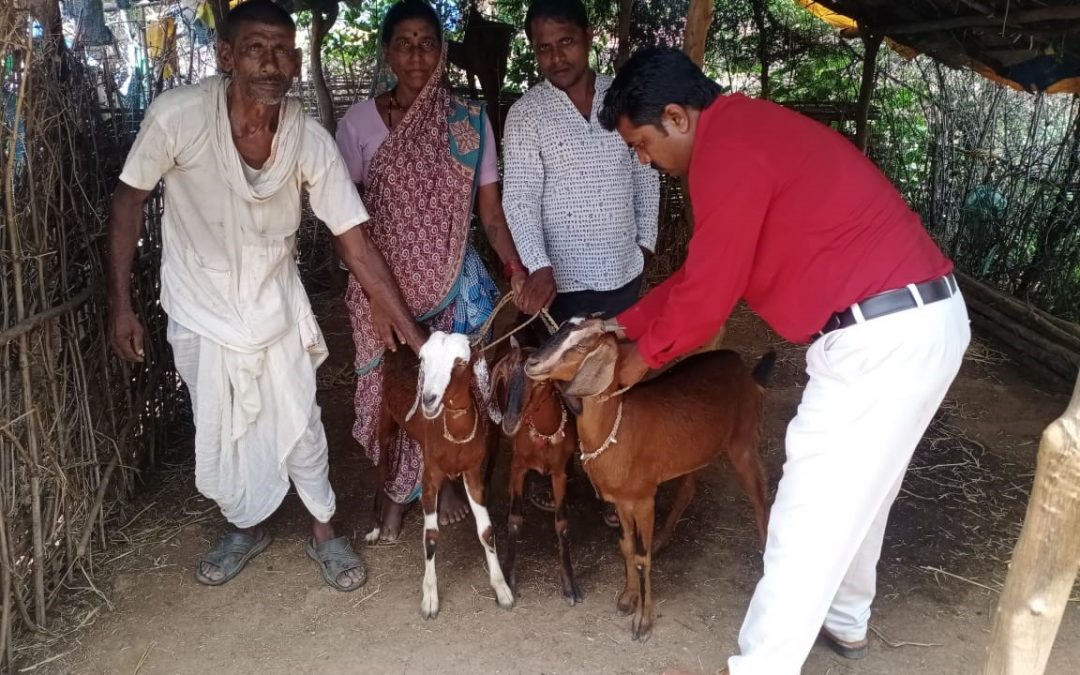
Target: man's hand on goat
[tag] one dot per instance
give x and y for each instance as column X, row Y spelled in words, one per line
column 632, row 366
column 538, row 291
column 391, row 334
column 613, row 326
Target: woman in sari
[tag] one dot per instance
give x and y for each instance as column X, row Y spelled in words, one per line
column 421, row 157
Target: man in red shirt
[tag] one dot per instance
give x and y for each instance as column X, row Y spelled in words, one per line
column 792, row 218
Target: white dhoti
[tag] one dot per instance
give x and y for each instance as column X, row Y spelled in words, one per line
column 257, row 425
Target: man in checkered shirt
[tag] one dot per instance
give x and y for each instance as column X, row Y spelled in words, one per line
column 582, row 210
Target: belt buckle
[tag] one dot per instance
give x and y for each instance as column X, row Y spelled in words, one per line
column 832, row 324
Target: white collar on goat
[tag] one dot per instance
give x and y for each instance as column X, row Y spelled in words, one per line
column 438, row 357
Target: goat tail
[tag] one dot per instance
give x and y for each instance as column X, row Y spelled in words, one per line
column 764, row 368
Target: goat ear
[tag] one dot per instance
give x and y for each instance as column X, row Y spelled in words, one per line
column 597, row 371
column 419, row 387
column 500, row 378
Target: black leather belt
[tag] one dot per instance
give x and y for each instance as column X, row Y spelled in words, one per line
column 891, row 302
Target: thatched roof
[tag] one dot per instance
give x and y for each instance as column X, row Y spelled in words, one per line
column 1032, row 45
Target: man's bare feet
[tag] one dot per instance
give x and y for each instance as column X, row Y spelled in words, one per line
column 453, row 507
column 323, row 532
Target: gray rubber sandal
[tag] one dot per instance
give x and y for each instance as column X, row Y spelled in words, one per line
column 335, row 556
column 230, row 554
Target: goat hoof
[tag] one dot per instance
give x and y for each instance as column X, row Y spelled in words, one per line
column 573, row 594
column 504, row 596
column 429, row 608
column 627, row 602
column 642, row 628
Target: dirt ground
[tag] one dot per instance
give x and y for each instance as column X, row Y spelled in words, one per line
column 945, row 554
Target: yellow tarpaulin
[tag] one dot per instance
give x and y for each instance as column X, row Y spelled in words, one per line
column 161, row 45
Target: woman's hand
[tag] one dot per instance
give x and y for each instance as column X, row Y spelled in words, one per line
column 517, row 285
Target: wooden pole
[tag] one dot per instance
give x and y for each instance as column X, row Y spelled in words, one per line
column 698, row 20
column 220, row 9
column 763, row 46
column 1062, row 13
column 1046, row 557
column 21, row 312
column 871, row 43
column 322, row 20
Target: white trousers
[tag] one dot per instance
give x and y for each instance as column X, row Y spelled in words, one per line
column 873, row 389
column 247, row 470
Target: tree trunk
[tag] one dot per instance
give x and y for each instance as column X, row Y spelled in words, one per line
column 762, row 47
column 871, row 42
column 1046, row 558
column 698, row 20
column 626, row 14
column 321, row 23
column 89, row 18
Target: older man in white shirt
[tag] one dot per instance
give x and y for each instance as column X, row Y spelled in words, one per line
column 234, row 153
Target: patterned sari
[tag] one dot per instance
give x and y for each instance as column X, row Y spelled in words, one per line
column 420, row 192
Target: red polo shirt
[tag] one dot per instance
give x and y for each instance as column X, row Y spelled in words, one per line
column 790, row 216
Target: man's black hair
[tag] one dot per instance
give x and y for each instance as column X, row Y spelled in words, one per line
column 255, row 11
column 652, row 79
column 565, row 11
column 405, row 10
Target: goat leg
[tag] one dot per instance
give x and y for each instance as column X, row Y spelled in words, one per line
column 746, row 461
column 644, row 514
column 492, row 457
column 429, row 605
column 474, row 490
column 684, row 493
column 571, row 591
column 516, row 519
column 629, row 598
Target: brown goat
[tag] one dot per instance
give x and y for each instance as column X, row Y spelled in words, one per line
column 542, row 439
column 454, row 433
column 669, row 427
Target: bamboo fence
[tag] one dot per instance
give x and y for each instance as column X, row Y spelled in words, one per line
column 76, row 425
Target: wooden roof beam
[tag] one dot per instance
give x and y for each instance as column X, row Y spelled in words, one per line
column 1013, row 20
